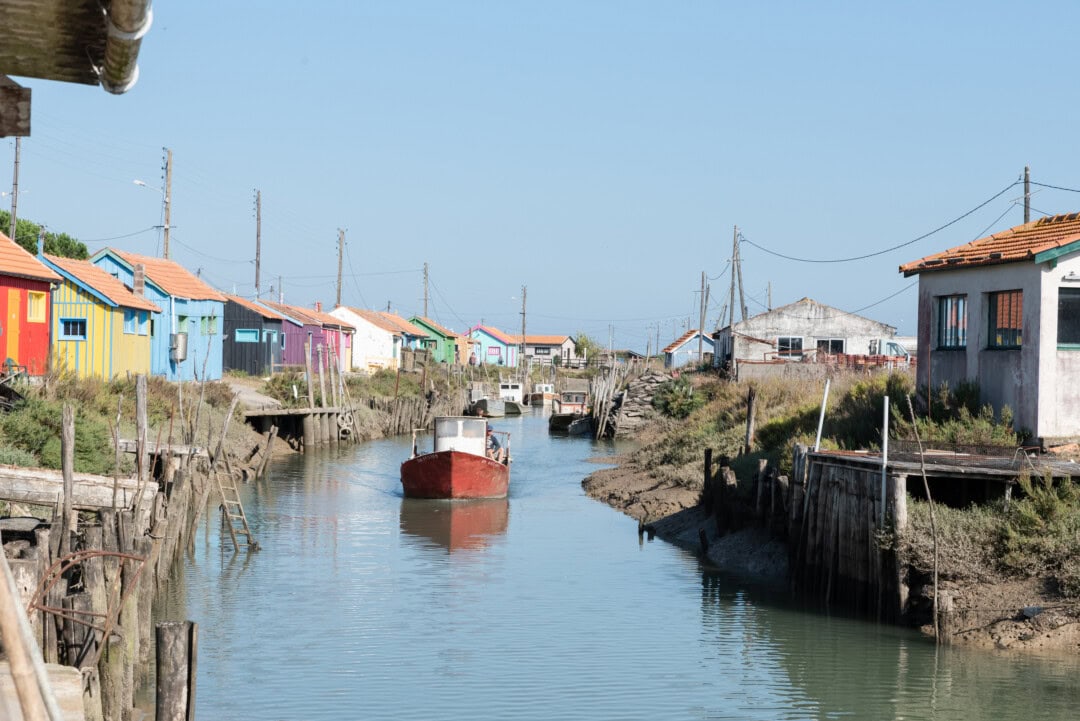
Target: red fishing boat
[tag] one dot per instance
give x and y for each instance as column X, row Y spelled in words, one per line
column 460, row 466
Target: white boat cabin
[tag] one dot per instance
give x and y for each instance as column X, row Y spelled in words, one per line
column 511, row 391
column 544, row 389
column 573, row 402
column 461, row 433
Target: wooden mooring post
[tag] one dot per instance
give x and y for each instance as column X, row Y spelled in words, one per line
column 177, row 656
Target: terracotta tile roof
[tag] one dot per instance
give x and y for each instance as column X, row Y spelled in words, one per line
column 103, row 282
column 14, row 260
column 375, row 318
column 329, row 321
column 545, row 339
column 441, row 330
column 254, row 307
column 1009, row 246
column 294, row 313
column 403, row 325
column 680, row 340
column 497, row 334
column 171, row 277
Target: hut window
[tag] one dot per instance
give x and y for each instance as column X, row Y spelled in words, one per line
column 35, row 306
column 208, row 325
column 952, row 322
column 73, row 329
column 144, row 322
column 129, row 321
column 789, row 346
column 1006, row 319
column 246, row 335
column 831, row 346
column 1068, row 333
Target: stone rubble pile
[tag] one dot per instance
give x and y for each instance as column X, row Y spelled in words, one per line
column 633, row 406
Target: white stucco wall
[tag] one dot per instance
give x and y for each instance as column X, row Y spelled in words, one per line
column 1038, row 382
column 373, row 347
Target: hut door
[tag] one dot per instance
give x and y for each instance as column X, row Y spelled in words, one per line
column 14, row 310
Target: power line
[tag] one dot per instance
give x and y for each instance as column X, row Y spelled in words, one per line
column 119, row 237
column 1055, row 187
column 744, row 239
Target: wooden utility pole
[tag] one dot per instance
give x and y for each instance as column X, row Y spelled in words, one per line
column 770, row 295
column 15, row 189
column 701, row 327
column 280, row 290
column 168, row 201
column 521, row 353
column 734, row 260
column 258, row 238
column 742, row 297
column 426, row 291
column 1027, row 192
column 340, row 255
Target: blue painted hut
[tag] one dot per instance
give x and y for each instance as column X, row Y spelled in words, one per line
column 186, row 336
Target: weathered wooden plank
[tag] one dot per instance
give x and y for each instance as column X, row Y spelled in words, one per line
column 14, row 109
column 44, row 486
column 66, row 683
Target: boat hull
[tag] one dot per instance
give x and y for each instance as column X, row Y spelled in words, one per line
column 570, row 424
column 489, row 408
column 454, row 474
column 512, row 408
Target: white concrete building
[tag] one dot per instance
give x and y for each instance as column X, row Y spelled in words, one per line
column 1004, row 311
column 798, row 331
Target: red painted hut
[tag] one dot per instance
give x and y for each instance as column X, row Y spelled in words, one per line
column 24, row 309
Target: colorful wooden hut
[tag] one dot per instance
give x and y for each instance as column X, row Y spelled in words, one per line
column 99, row 327
column 253, row 338
column 185, row 337
column 25, row 312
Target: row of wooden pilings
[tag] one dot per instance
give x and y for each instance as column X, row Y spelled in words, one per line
column 88, row 577
column 839, row 514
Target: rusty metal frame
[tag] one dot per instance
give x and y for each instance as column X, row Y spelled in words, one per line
column 113, row 605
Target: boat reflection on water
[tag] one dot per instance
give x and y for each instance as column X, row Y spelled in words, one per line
column 455, row 525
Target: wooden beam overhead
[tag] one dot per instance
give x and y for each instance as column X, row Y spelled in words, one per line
column 14, row 109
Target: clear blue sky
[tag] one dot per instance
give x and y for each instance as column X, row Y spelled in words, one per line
column 598, row 153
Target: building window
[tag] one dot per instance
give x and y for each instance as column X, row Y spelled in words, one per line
column 789, row 346
column 129, row 321
column 952, row 322
column 541, row 351
column 208, row 325
column 73, row 329
column 831, row 346
column 247, row 335
column 144, row 322
column 1068, row 333
column 36, row 302
column 1006, row 319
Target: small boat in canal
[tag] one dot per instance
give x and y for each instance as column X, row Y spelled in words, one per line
column 570, row 416
column 542, row 394
column 459, row 465
column 488, row 408
column 513, row 397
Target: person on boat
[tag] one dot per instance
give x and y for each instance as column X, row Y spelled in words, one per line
column 495, row 450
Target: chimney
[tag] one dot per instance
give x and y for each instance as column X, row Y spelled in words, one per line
column 138, row 280
column 318, row 306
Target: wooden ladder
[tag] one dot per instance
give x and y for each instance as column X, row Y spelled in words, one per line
column 234, row 516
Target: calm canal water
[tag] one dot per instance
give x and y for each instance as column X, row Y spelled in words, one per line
column 365, row 605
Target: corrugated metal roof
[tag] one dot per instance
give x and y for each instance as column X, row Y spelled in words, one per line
column 170, row 276
column 1020, row 243
column 403, row 325
column 16, row 261
column 103, row 282
column 496, row 334
column 254, row 307
column 680, row 340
